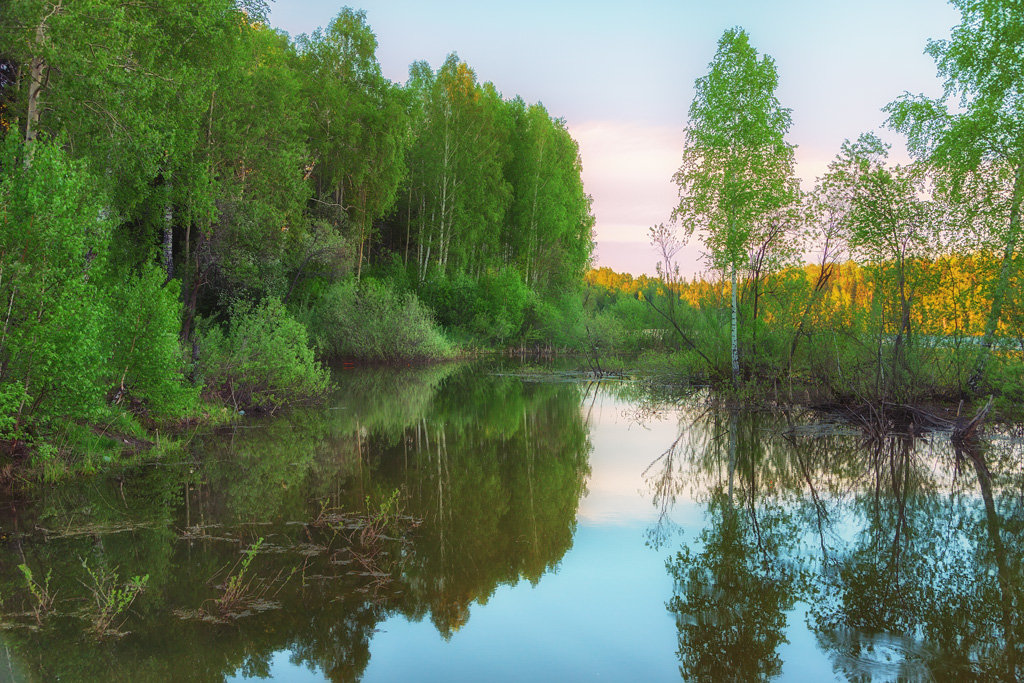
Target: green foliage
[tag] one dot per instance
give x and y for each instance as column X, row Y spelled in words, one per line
column 237, row 588
column 548, row 220
column 358, row 132
column 40, row 592
column 141, row 333
column 491, row 308
column 1005, row 376
column 737, row 167
column 499, row 306
column 263, row 361
column 77, row 330
column 373, row 320
column 493, row 185
column 381, row 517
column 52, row 244
column 557, row 320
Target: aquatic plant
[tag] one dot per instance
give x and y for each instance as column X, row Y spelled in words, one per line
column 40, row 591
column 237, row 589
column 111, row 599
column 379, row 518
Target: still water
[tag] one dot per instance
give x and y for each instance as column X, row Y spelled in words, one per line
column 468, row 523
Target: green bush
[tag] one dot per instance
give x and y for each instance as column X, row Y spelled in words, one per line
column 52, row 245
column 141, row 335
column 263, row 362
column 1005, row 378
column 557, row 321
column 500, row 307
column 491, row 308
column 370, row 320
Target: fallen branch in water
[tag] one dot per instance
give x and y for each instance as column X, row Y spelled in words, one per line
column 963, row 432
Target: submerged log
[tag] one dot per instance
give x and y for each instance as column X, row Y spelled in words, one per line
column 965, row 431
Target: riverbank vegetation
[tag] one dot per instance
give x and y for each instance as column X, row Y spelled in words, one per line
column 198, row 211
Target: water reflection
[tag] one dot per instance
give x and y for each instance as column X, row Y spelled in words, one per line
column 906, row 552
column 488, row 472
column 534, row 529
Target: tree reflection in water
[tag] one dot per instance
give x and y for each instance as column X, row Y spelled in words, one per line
column 902, row 556
column 735, row 585
column 906, row 552
column 493, row 469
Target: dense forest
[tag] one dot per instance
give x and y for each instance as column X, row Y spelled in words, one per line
column 198, row 210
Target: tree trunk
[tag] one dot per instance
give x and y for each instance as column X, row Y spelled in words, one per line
column 903, row 333
column 408, row 225
column 823, row 277
column 168, row 241
column 39, row 73
column 37, row 80
column 756, row 283
column 363, row 232
column 735, row 343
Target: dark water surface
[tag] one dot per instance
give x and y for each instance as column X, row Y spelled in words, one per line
column 459, row 523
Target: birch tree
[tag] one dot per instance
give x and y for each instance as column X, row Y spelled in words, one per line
column 737, row 167
column 358, row 131
column 459, row 158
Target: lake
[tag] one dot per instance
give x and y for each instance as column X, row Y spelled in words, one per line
column 488, row 522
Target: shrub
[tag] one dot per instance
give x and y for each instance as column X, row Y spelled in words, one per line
column 263, row 362
column 370, row 320
column 556, row 321
column 501, row 305
column 141, row 333
column 52, row 243
column 491, row 308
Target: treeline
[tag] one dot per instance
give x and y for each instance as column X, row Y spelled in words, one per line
column 950, row 297
column 832, row 327
column 193, row 204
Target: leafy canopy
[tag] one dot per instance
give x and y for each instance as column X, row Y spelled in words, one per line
column 737, row 167
column 980, row 116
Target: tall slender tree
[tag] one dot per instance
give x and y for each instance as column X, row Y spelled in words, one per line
column 737, row 167
column 459, row 157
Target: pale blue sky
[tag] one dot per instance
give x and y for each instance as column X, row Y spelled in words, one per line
column 622, row 77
